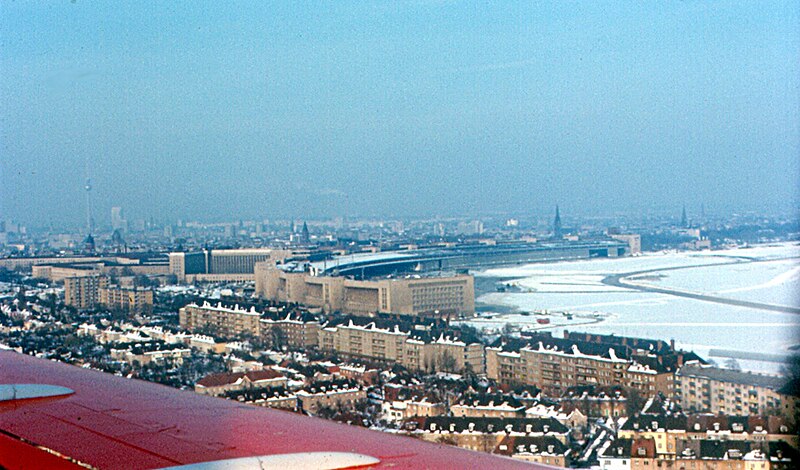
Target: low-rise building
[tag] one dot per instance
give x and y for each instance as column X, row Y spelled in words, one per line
column 277, row 397
column 218, row 384
column 495, row 405
column 334, row 394
column 545, row 450
column 398, row 411
column 156, row 352
column 219, row 320
column 664, row 430
column 278, row 327
column 597, row 401
column 483, row 434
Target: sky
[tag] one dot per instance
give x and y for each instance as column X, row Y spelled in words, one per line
column 250, row 110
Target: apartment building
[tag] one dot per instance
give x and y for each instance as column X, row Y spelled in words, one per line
column 84, row 292
column 278, row 326
column 414, row 346
column 702, row 388
column 333, row 394
column 154, row 352
column 295, row 329
column 222, row 321
column 130, row 299
column 556, row 364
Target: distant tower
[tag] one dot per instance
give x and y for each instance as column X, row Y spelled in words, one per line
column 684, row 220
column 305, row 237
column 557, row 229
column 89, row 220
column 88, row 242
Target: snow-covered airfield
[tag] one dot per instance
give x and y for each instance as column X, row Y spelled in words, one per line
column 572, row 295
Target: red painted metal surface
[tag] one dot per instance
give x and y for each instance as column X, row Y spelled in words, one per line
column 15, row 453
column 113, row 422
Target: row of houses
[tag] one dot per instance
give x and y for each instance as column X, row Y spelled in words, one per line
column 269, row 387
column 129, row 334
column 649, row 367
column 416, row 346
column 702, row 454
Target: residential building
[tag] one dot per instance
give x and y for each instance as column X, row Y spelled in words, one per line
column 333, row 394
column 597, row 401
column 222, row 321
column 545, row 450
column 483, row 434
column 580, row 359
column 155, row 352
column 219, row 384
column 84, row 292
column 136, row 300
column 276, row 397
column 496, row 405
column 702, row 388
column 414, row 346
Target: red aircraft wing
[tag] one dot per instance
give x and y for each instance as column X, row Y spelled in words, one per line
column 113, row 422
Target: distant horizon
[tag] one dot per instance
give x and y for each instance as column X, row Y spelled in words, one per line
column 631, row 216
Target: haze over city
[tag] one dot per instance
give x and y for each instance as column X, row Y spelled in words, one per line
column 230, row 111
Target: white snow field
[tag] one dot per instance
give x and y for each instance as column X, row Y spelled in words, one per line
column 767, row 274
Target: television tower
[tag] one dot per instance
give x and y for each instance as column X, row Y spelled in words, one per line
column 88, row 243
column 89, row 221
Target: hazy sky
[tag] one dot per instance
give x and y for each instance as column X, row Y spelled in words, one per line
column 225, row 110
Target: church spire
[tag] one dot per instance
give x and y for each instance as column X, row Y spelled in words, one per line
column 684, row 220
column 557, row 224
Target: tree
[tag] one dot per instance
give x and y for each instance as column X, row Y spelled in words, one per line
column 791, row 368
column 278, row 337
column 447, row 362
column 634, row 403
column 732, row 364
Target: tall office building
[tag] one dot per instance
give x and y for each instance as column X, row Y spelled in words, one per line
column 118, row 221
